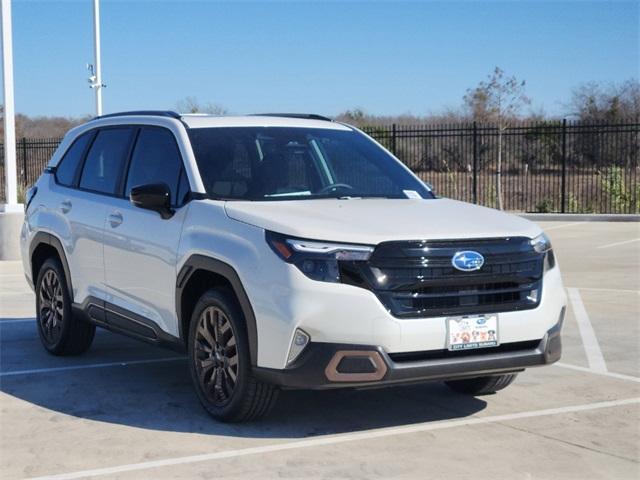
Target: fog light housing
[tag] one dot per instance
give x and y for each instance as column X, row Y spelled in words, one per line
column 298, row 343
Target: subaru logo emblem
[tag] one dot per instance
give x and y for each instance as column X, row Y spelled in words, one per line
column 467, row 261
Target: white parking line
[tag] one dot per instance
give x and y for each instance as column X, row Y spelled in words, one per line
column 618, row 290
column 555, row 227
column 87, row 366
column 9, row 321
column 341, row 438
column 609, row 245
column 589, row 339
column 619, row 376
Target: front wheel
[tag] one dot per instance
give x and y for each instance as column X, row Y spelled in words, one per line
column 482, row 385
column 220, row 363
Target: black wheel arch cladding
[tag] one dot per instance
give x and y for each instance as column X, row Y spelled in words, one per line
column 46, row 239
column 197, row 263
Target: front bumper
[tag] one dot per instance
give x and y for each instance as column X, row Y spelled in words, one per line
column 316, row 367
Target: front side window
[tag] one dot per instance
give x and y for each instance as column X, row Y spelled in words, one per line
column 156, row 159
column 284, row 163
column 68, row 167
column 105, row 160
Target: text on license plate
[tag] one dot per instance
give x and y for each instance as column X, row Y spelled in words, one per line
column 478, row 331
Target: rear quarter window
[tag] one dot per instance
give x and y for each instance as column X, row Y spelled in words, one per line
column 67, row 169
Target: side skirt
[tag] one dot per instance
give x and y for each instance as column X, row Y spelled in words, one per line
column 119, row 320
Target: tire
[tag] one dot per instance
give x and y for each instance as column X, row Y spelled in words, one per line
column 482, row 385
column 220, row 363
column 61, row 333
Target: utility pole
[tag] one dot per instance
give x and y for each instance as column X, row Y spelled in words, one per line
column 95, row 70
column 11, row 178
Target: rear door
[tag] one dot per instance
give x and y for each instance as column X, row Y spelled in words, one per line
column 87, row 175
column 140, row 247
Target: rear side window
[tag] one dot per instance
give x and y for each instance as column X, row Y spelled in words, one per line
column 105, row 160
column 156, row 159
column 68, row 167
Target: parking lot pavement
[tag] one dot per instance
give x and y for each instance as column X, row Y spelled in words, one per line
column 127, row 410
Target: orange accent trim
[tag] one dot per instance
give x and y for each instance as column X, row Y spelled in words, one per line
column 332, row 368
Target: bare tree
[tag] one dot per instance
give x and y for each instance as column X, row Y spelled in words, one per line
column 612, row 103
column 499, row 99
column 42, row 126
column 192, row 105
column 362, row 118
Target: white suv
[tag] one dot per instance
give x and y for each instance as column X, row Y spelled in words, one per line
column 282, row 251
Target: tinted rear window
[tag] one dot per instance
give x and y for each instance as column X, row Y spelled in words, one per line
column 105, row 160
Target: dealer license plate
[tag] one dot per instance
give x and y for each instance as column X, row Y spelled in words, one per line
column 479, row 331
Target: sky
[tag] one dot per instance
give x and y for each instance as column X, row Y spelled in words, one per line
column 323, row 57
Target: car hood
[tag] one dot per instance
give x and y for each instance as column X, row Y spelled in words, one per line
column 371, row 221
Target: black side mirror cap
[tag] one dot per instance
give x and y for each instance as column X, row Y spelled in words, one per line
column 153, row 196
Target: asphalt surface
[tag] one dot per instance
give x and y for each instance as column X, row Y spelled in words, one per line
column 127, row 410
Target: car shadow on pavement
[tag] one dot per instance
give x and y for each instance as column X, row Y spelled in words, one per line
column 159, row 396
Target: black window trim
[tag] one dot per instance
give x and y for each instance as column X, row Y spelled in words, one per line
column 118, row 193
column 124, row 173
column 127, row 165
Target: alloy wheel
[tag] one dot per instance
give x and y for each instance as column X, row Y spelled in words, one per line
column 216, row 355
column 51, row 308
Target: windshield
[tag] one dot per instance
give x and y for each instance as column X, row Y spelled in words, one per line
column 284, row 163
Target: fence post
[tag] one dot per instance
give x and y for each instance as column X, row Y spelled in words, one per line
column 475, row 162
column 563, row 206
column 24, row 161
column 393, row 139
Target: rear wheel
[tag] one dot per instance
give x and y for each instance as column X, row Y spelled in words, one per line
column 482, row 385
column 220, row 363
column 60, row 332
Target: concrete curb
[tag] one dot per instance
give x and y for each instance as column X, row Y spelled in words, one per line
column 580, row 217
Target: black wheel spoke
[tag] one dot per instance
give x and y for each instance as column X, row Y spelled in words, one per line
column 206, row 336
column 216, row 356
column 232, row 375
column 51, row 306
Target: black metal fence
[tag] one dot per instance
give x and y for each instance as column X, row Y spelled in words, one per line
column 32, row 155
column 558, row 166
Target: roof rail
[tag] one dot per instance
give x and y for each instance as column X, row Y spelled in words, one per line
column 155, row 113
column 307, row 116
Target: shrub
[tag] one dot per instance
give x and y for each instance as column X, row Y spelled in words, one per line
column 544, row 206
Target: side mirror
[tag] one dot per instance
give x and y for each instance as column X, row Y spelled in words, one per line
column 154, row 196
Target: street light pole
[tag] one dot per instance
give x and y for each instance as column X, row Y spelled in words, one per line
column 97, row 81
column 10, row 171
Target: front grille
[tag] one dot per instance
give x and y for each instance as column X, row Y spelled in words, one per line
column 417, row 279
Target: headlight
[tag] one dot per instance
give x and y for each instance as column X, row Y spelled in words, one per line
column 541, row 243
column 317, row 260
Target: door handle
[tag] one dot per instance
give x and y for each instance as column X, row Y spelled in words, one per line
column 65, row 206
column 115, row 219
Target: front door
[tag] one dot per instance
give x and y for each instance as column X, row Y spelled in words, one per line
column 140, row 247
